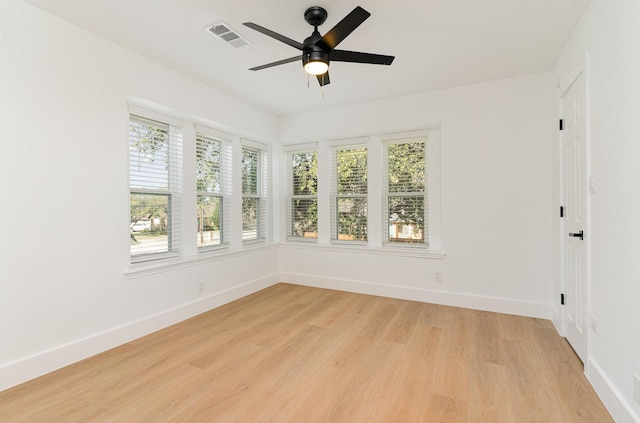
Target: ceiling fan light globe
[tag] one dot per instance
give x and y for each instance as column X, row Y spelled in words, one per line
column 316, row 67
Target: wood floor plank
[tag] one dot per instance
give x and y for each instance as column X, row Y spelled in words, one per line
column 298, row 354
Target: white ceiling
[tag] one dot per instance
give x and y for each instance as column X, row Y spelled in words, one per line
column 437, row 43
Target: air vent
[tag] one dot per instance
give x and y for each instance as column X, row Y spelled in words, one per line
column 227, row 34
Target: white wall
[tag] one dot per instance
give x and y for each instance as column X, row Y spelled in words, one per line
column 609, row 33
column 63, row 104
column 496, row 198
column 64, row 188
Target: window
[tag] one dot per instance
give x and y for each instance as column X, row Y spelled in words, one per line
column 212, row 176
column 302, row 210
column 349, row 193
column 254, row 192
column 186, row 194
column 404, row 197
column 339, row 191
column 155, row 162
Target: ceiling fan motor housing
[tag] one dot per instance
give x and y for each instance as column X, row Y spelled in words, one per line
column 315, row 56
column 313, row 52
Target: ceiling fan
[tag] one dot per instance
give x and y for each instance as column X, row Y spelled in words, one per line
column 318, row 50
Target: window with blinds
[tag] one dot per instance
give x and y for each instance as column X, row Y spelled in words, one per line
column 302, row 210
column 213, row 165
column 404, row 197
column 349, row 172
column 254, row 192
column 155, row 180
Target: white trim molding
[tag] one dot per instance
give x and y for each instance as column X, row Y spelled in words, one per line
column 222, row 253
column 448, row 298
column 613, row 400
column 337, row 247
column 14, row 373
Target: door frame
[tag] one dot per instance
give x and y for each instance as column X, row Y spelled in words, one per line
column 562, row 90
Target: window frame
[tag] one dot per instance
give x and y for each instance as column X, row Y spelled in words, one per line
column 290, row 151
column 335, row 196
column 377, row 224
column 223, row 191
column 397, row 139
column 184, row 206
column 261, row 194
column 173, row 191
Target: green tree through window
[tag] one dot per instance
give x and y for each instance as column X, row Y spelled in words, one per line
column 209, row 185
column 406, row 193
column 350, row 214
column 304, row 195
column 154, row 174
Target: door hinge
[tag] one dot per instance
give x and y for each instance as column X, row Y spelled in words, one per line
column 561, row 211
column 561, row 299
column 561, row 124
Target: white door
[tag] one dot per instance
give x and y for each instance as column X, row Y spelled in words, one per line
column 574, row 193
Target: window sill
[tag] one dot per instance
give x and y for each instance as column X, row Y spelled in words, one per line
column 295, row 239
column 141, row 269
column 416, row 252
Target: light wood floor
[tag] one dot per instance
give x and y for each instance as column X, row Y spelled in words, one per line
column 297, row 354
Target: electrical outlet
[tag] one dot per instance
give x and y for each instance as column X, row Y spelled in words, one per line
column 201, row 288
column 636, row 388
column 438, row 278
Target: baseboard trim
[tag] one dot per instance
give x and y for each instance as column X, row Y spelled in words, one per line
column 618, row 407
column 456, row 299
column 20, row 371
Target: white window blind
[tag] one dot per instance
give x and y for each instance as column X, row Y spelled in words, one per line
column 155, row 181
column 405, row 195
column 302, row 201
column 254, row 192
column 349, row 180
column 213, row 167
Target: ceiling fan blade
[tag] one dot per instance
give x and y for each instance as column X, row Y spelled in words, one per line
column 270, row 33
column 343, row 28
column 323, row 79
column 359, row 57
column 279, row 62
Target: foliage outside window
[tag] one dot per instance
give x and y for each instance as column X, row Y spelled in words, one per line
column 210, row 192
column 154, row 179
column 254, row 201
column 303, row 201
column 350, row 199
column 405, row 196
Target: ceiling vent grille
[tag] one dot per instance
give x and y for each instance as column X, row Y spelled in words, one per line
column 227, row 34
